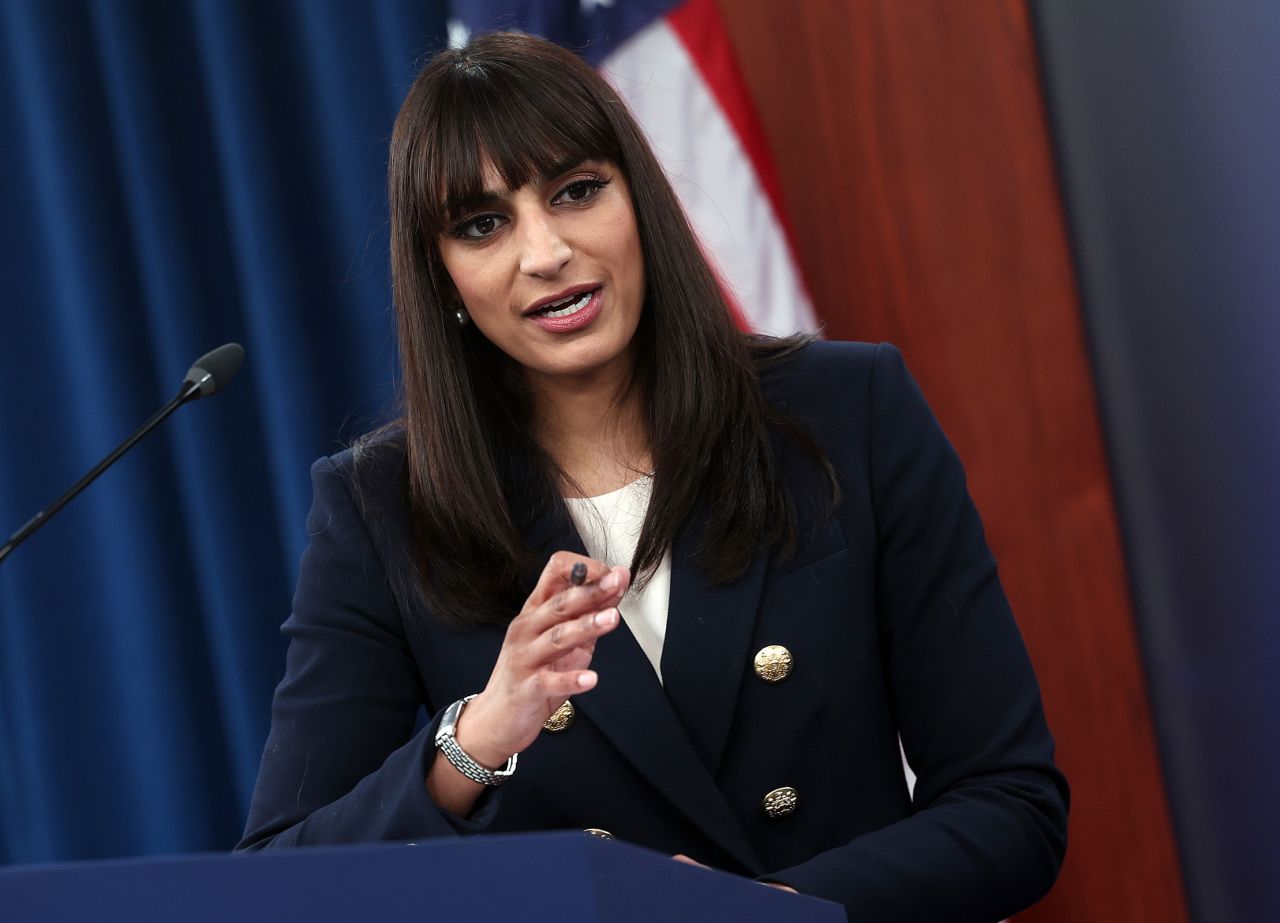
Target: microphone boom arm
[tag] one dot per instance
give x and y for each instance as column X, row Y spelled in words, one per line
column 191, row 390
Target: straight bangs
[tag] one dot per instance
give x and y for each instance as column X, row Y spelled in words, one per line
column 527, row 122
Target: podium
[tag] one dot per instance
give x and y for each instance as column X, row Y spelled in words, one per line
column 552, row 877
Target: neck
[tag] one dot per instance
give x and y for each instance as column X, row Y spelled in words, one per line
column 593, row 428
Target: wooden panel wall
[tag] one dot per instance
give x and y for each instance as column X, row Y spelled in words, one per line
column 916, row 169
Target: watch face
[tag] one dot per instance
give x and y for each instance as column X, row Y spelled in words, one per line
column 449, row 721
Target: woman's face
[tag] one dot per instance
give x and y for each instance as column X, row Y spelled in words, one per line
column 552, row 273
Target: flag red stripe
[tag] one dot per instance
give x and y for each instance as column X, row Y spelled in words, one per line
column 698, row 25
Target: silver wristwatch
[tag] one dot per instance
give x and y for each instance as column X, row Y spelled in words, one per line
column 447, row 744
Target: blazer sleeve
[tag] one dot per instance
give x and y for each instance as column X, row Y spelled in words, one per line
column 987, row 832
column 342, row 763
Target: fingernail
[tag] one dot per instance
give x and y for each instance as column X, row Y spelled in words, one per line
column 578, row 574
column 610, row 581
column 606, row 617
column 587, row 680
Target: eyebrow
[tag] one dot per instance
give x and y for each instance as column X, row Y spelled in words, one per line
column 488, row 197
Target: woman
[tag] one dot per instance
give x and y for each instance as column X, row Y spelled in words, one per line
column 811, row 578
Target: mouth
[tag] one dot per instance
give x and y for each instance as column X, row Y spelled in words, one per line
column 569, row 313
column 567, row 304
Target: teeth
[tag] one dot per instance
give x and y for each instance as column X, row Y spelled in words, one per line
column 572, row 305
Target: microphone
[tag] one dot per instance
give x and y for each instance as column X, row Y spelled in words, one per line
column 208, row 375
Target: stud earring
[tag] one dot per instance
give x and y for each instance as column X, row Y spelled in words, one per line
column 460, row 314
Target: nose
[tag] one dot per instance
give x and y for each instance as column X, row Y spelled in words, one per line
column 543, row 251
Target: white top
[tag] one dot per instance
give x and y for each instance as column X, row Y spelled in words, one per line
column 610, row 528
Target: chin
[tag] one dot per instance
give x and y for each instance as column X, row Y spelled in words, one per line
column 578, row 360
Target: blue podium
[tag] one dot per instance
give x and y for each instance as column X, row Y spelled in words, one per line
column 558, row 877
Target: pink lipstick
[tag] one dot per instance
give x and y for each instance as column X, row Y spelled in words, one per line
column 570, row 314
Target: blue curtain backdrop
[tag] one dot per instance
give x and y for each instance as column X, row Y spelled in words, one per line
column 1167, row 114
column 175, row 175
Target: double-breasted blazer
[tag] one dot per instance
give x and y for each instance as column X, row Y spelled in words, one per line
column 898, row 629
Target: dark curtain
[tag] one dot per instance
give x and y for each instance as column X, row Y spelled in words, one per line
column 1167, row 117
column 174, row 175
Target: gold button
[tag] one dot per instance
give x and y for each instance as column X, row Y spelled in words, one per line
column 597, row 832
column 780, row 802
column 773, row 663
column 561, row 719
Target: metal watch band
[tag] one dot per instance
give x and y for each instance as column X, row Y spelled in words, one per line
column 447, row 744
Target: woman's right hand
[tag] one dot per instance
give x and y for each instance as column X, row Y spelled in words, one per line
column 544, row 658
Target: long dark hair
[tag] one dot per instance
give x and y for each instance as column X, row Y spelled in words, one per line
column 476, row 475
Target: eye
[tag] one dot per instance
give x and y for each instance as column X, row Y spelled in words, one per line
column 478, row 228
column 580, row 190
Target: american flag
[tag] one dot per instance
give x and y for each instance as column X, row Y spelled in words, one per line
column 673, row 64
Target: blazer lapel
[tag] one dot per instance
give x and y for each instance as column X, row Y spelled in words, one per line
column 631, row 709
column 706, row 653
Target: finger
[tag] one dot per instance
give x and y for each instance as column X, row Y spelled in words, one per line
column 558, row 573
column 566, row 636
column 679, row 857
column 576, row 601
column 547, row 684
column 577, row 659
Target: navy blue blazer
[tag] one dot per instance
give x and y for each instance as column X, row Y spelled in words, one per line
column 892, row 610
